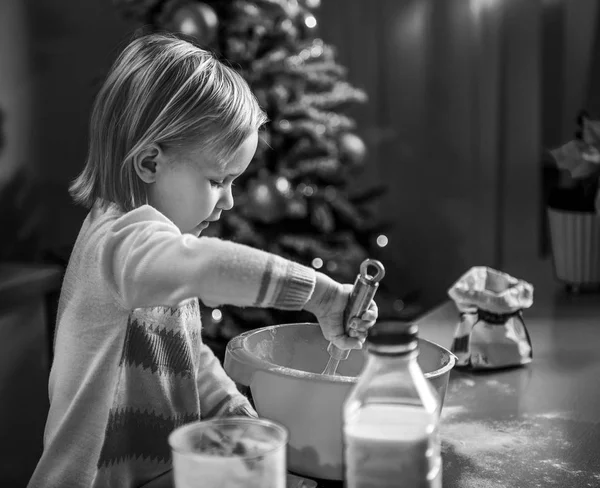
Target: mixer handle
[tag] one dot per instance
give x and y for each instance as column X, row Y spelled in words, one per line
column 364, row 290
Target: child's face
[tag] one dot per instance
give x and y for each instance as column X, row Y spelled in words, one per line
column 192, row 189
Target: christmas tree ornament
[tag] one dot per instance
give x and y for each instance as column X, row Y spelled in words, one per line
column 195, row 19
column 352, row 148
column 312, row 4
column 265, row 201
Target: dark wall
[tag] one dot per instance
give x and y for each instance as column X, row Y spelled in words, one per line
column 73, row 43
column 453, row 128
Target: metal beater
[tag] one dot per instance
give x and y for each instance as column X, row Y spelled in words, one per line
column 363, row 292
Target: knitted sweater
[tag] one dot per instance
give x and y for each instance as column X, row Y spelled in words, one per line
column 129, row 364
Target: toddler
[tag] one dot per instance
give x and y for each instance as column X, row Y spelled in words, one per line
column 171, row 129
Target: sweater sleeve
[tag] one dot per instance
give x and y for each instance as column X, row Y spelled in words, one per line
column 147, row 262
column 219, row 397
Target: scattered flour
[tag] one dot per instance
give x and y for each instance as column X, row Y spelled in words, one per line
column 554, row 415
column 501, row 387
column 507, row 453
column 450, row 411
column 557, row 464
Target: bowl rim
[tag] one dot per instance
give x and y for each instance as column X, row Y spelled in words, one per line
column 236, row 349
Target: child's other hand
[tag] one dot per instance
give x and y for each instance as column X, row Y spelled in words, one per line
column 328, row 303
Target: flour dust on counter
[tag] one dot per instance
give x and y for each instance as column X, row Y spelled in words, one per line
column 529, row 451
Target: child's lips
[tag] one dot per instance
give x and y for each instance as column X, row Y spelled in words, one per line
column 204, row 224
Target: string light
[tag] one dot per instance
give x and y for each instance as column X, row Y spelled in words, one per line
column 382, row 240
column 310, row 21
column 217, row 315
column 282, row 184
column 317, row 263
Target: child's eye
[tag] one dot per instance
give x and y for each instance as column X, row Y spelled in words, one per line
column 217, row 184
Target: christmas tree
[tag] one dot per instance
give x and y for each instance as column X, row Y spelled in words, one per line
column 296, row 197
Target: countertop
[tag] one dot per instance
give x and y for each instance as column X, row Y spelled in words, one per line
column 533, row 426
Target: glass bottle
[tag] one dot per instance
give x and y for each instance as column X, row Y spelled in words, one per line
column 391, row 416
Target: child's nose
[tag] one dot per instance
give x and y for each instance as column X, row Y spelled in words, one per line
column 226, row 201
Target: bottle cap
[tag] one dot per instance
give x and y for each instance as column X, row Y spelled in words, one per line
column 392, row 334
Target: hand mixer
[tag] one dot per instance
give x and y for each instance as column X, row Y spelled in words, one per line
column 363, row 292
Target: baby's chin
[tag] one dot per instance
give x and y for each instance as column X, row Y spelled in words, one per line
column 196, row 231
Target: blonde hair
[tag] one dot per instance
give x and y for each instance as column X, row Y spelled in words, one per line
column 163, row 90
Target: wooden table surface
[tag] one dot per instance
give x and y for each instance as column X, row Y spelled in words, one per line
column 532, row 427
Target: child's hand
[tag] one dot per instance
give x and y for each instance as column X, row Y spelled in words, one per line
column 244, row 410
column 328, row 303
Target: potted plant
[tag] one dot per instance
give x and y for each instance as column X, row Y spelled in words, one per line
column 574, row 208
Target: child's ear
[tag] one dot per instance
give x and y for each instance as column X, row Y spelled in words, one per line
column 146, row 162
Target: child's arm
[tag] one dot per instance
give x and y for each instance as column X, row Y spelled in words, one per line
column 219, row 397
column 148, row 262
